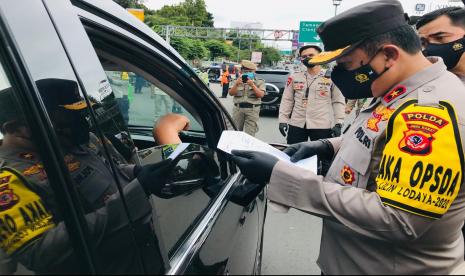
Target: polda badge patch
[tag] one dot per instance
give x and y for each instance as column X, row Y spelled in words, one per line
column 413, row 175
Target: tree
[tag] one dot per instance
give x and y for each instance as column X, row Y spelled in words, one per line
column 218, row 48
column 134, row 4
column 190, row 49
column 270, row 55
column 187, row 13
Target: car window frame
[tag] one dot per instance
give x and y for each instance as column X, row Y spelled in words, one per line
column 52, row 157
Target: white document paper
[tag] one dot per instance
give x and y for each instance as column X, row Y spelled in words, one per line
column 238, row 140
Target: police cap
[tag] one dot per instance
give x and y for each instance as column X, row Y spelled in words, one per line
column 8, row 108
column 60, row 93
column 249, row 65
column 346, row 31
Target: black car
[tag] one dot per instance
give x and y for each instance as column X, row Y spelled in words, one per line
column 276, row 81
column 204, row 226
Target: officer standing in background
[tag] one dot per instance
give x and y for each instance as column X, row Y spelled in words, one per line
column 309, row 101
column 357, row 104
column 442, row 34
column 119, row 82
column 248, row 92
column 392, row 201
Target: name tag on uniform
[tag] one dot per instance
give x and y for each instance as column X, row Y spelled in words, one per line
column 298, row 85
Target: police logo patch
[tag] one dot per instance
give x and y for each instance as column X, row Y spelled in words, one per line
column 457, row 46
column 8, row 198
column 395, row 93
column 347, row 175
column 418, row 138
column 361, row 78
column 5, row 179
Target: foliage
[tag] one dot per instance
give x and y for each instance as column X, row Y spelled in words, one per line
column 190, row 49
column 218, row 48
column 270, row 55
column 187, row 13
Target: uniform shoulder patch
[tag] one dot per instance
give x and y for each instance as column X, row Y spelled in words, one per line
column 289, row 81
column 413, row 175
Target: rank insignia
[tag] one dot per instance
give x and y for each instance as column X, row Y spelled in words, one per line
column 395, row 93
column 36, row 169
column 380, row 114
column 8, row 198
column 27, row 155
column 347, row 175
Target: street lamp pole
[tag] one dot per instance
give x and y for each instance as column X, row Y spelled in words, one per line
column 336, row 3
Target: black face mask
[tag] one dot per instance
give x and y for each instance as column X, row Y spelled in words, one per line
column 308, row 65
column 76, row 130
column 450, row 52
column 355, row 84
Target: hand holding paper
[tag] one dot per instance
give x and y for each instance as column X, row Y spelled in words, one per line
column 237, row 140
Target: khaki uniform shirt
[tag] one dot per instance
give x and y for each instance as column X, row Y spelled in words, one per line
column 324, row 101
column 361, row 234
column 245, row 93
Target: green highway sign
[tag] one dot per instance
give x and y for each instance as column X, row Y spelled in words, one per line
column 307, row 32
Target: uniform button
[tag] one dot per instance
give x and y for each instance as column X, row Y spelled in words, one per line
column 427, row 89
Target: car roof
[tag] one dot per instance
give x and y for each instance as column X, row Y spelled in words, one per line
column 117, row 12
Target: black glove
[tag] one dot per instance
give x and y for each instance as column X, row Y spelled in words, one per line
column 283, row 127
column 153, row 177
column 255, row 166
column 322, row 148
column 336, row 130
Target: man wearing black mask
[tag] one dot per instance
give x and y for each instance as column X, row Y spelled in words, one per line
column 305, row 110
column 442, row 34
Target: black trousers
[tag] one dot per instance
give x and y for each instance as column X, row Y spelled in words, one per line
column 297, row 135
column 225, row 90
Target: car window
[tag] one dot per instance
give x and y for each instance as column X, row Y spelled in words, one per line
column 153, row 95
column 142, row 102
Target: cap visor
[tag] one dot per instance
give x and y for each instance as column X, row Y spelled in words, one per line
column 330, row 56
column 76, row 106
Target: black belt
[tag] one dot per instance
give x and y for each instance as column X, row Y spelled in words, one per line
column 246, row 105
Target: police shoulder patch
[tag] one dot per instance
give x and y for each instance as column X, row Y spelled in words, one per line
column 413, row 175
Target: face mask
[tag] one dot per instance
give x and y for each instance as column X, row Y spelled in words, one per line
column 355, row 84
column 250, row 75
column 449, row 52
column 308, row 65
column 76, row 131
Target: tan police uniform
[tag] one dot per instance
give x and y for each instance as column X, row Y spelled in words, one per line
column 312, row 111
column 392, row 201
column 357, row 105
column 246, row 112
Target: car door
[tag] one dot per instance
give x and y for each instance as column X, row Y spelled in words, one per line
column 111, row 233
column 187, row 222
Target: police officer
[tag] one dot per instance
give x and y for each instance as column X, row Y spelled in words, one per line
column 309, row 102
column 392, row 201
column 119, row 82
column 442, row 34
column 30, row 202
column 248, row 92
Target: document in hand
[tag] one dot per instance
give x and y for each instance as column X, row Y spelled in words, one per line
column 238, row 140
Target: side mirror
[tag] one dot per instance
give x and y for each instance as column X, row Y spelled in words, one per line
column 191, row 171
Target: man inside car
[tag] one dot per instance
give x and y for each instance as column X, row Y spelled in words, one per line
column 39, row 239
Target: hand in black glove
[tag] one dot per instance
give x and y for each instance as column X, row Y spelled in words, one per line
column 336, row 130
column 322, row 148
column 283, row 128
column 153, row 177
column 255, row 166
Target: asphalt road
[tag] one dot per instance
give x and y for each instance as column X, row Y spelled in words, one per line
column 292, row 240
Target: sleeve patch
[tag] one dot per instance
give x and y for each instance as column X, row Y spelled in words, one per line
column 413, row 175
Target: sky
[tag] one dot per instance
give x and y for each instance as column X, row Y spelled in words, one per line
column 281, row 14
